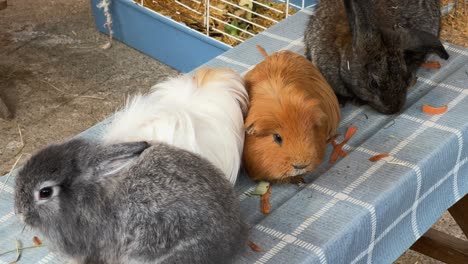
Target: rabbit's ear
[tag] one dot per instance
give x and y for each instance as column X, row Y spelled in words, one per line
column 114, row 158
column 360, row 22
column 421, row 42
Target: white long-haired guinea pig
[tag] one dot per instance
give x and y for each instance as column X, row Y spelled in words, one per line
column 201, row 112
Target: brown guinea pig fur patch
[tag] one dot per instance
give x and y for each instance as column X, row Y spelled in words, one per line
column 293, row 111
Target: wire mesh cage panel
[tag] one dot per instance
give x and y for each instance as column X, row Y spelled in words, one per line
column 228, row 21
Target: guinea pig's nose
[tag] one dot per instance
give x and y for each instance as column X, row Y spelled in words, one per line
column 300, row 166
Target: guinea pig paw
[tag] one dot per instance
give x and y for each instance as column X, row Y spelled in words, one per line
column 296, row 180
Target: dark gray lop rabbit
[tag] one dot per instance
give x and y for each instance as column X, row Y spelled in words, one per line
column 130, row 203
column 370, row 50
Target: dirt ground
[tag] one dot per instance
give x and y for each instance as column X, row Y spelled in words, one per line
column 57, row 81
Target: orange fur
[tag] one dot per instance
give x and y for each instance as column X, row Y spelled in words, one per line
column 204, row 75
column 290, row 97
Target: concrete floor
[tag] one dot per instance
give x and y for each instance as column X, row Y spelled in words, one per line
column 57, row 81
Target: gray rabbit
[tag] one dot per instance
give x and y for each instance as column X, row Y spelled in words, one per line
column 130, row 203
column 370, row 50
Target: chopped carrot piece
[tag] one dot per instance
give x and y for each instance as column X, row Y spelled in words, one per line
column 254, row 247
column 338, row 148
column 378, row 157
column 431, row 65
column 349, row 133
column 434, row 110
column 265, row 201
column 37, row 241
column 334, row 156
column 262, row 51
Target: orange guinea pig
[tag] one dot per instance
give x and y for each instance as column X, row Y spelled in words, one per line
column 293, row 112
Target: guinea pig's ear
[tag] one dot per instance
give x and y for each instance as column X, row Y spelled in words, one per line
column 112, row 159
column 261, row 127
column 250, row 129
column 249, row 126
column 260, row 123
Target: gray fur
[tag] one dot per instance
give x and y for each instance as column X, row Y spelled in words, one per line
column 132, row 203
column 370, row 49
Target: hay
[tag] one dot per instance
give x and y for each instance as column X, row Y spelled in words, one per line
column 196, row 20
column 20, row 249
column 455, row 24
column 454, row 27
column 76, row 95
column 104, row 4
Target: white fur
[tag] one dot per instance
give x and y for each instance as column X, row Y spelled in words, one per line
column 205, row 120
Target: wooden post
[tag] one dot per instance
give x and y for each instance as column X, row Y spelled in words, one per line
column 3, row 4
column 443, row 247
column 459, row 212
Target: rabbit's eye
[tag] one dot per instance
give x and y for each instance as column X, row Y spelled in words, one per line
column 374, row 84
column 277, row 139
column 46, row 193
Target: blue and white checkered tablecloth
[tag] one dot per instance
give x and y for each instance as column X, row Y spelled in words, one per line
column 354, row 211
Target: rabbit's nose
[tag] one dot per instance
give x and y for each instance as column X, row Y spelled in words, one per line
column 300, row 166
column 18, row 211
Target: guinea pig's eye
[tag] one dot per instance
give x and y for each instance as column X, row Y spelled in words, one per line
column 277, row 139
column 46, row 192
